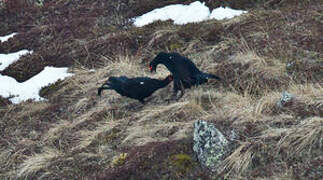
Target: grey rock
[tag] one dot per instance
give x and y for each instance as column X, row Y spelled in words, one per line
column 210, row 146
column 285, row 99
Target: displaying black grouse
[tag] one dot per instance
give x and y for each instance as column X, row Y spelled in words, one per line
column 185, row 73
column 137, row 88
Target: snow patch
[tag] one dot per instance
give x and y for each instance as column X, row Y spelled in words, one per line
column 5, row 38
column 180, row 14
column 30, row 88
column 183, row 14
column 225, row 13
column 7, row 59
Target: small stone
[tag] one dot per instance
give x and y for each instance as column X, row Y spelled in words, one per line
column 286, row 99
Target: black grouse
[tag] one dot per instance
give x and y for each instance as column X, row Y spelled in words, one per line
column 185, row 73
column 137, row 88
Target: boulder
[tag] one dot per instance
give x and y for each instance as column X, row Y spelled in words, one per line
column 210, row 145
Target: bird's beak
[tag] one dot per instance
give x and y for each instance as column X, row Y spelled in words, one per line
column 151, row 68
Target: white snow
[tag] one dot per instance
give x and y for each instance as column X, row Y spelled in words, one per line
column 180, row 14
column 30, row 88
column 5, row 38
column 225, row 13
column 183, row 14
column 7, row 59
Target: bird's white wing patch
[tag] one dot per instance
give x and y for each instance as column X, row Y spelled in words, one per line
column 142, row 83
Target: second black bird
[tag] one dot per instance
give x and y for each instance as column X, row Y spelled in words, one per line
column 137, row 88
column 185, row 73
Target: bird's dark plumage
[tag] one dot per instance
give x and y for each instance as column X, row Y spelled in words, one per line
column 137, row 88
column 185, row 73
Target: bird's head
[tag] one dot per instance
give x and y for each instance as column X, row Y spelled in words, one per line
column 152, row 68
column 153, row 65
column 161, row 58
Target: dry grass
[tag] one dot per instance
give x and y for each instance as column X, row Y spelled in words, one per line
column 303, row 137
column 239, row 160
column 36, row 163
column 77, row 135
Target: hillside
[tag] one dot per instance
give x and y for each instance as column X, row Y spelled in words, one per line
column 275, row 47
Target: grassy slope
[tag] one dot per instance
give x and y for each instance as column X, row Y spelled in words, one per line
column 276, row 46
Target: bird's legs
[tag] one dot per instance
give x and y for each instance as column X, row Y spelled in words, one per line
column 182, row 91
column 178, row 86
column 142, row 101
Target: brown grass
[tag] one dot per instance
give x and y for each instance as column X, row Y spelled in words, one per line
column 78, row 135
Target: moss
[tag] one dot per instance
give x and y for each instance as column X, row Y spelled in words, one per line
column 175, row 46
column 119, row 160
column 182, row 162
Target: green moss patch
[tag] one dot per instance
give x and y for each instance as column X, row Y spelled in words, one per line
column 182, row 162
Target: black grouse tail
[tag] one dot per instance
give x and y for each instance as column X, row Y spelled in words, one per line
column 103, row 87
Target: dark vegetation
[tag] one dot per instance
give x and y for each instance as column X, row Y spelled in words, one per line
column 277, row 46
column 160, row 160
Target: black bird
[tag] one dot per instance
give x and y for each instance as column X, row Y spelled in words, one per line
column 185, row 73
column 137, row 88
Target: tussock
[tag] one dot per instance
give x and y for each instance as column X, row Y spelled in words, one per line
column 307, row 101
column 267, row 103
column 248, row 73
column 304, row 137
column 239, row 160
column 37, row 163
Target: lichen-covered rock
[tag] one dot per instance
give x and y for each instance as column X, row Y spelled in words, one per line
column 210, row 146
column 286, row 99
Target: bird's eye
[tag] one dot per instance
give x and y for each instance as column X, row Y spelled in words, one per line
column 170, row 57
